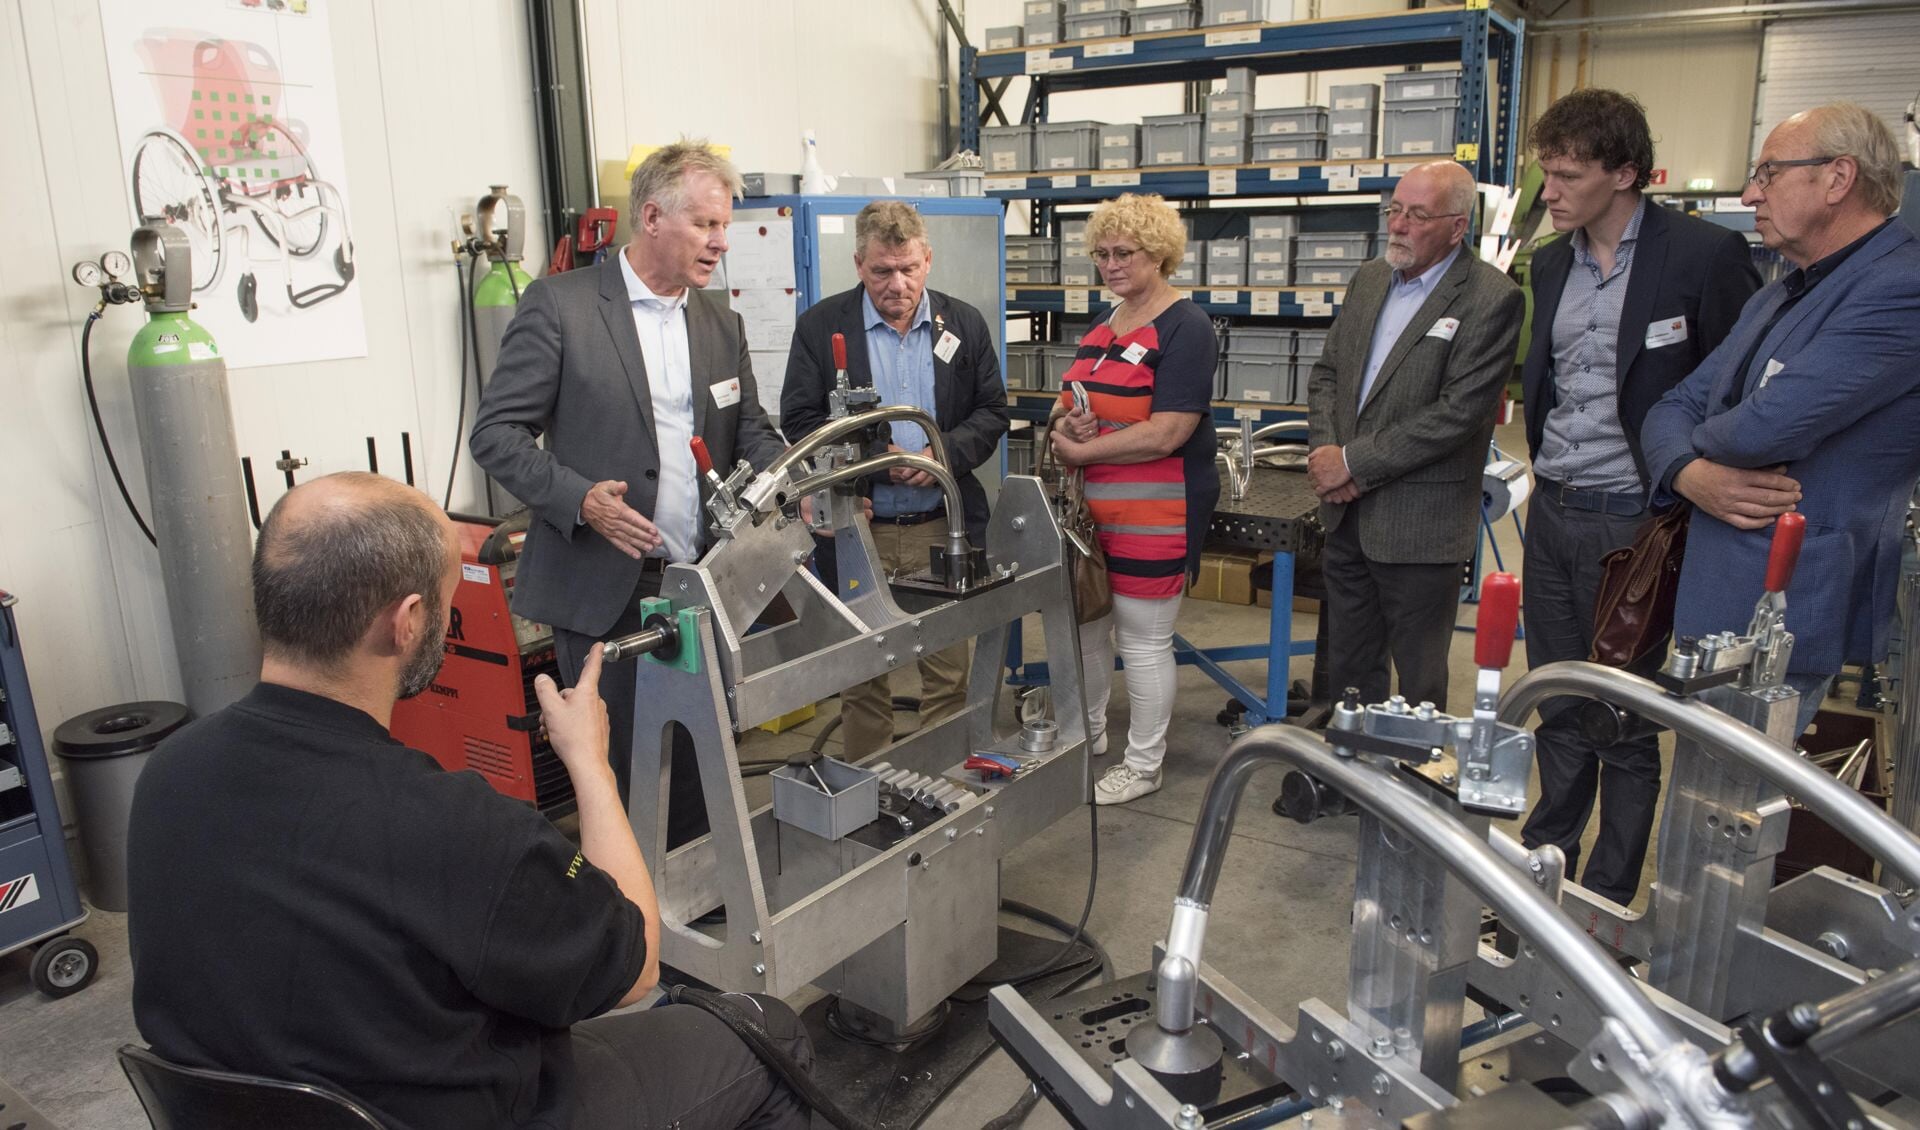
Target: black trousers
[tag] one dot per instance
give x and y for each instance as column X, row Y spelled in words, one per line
column 1559, row 585
column 677, row 1066
column 1377, row 611
column 686, row 802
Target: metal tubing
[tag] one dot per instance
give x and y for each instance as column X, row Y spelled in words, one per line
column 1824, row 796
column 835, row 431
column 949, row 486
column 1514, row 899
column 1867, row 1008
column 643, row 642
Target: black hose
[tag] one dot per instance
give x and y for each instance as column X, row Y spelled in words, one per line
column 762, row 1044
column 1062, row 926
column 1017, row 1113
column 1086, row 911
column 470, row 324
column 106, row 445
column 900, row 703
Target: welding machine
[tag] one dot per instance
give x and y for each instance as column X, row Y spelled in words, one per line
column 480, row 712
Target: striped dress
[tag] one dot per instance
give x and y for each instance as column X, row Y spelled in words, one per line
column 1152, row 516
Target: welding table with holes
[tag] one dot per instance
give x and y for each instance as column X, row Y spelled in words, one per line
column 1280, row 514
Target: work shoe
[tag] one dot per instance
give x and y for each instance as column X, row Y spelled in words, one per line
column 1123, row 783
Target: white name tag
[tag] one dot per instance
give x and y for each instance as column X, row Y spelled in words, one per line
column 945, row 347
column 1672, row 331
column 1445, row 328
column 1773, row 367
column 726, row 393
column 1133, row 353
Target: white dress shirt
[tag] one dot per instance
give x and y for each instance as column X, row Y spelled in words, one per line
column 662, row 326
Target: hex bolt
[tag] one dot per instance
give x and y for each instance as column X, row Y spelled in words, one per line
column 1381, row 1084
column 1335, row 1049
column 1382, row 1047
column 1448, row 779
column 1833, row 944
column 892, row 658
column 1189, row 1118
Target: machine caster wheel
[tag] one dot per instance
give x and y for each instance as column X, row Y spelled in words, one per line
column 1305, row 799
column 64, row 966
column 1231, row 714
column 342, row 264
column 249, row 297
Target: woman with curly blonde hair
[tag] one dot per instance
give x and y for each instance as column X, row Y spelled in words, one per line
column 1148, row 367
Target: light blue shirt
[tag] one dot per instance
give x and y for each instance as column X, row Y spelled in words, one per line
column 902, row 367
column 1404, row 298
column 661, row 324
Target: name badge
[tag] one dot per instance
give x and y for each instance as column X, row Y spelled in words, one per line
column 1445, row 328
column 1132, row 354
column 726, row 393
column 1773, row 367
column 945, row 347
column 1670, row 331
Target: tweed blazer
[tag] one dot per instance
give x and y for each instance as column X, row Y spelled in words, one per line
column 1416, row 448
column 571, row 370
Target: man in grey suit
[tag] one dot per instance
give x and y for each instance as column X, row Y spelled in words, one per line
column 620, row 366
column 1401, row 408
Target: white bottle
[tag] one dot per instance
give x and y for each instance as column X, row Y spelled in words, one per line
column 813, row 179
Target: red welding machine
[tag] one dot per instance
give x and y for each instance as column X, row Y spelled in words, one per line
column 480, row 712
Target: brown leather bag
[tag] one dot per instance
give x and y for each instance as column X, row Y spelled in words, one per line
column 1092, row 586
column 1633, row 611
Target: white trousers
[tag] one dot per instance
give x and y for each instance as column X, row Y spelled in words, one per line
column 1142, row 631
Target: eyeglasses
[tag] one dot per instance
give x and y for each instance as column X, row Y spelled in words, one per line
column 1417, row 215
column 1119, row 256
column 1763, row 173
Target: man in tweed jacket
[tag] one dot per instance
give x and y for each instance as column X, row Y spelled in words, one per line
column 1401, row 408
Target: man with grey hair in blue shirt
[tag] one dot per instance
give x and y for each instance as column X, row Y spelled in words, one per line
column 918, row 347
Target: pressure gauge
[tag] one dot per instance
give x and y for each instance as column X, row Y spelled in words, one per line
column 117, row 264
column 87, row 273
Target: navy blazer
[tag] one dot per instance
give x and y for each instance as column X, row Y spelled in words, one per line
column 1833, row 392
column 1683, row 267
column 970, row 400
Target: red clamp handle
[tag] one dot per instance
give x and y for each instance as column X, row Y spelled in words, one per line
column 701, row 459
column 1499, row 615
column 839, row 351
column 1789, row 530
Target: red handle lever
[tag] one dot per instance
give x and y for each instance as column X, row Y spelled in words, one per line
column 839, row 351
column 1788, row 532
column 1499, row 614
column 701, row 459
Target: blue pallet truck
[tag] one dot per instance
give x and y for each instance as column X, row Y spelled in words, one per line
column 39, row 902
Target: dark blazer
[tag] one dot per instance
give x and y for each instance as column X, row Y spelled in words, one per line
column 570, row 369
column 1682, row 267
column 1841, row 409
column 1417, row 448
column 971, row 401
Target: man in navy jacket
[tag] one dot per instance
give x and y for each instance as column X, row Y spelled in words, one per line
column 1624, row 308
column 1811, row 404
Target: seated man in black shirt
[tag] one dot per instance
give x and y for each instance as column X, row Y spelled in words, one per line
column 313, row 901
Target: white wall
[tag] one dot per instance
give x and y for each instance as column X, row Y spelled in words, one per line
column 434, row 99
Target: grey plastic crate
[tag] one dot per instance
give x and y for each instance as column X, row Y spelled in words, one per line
column 850, row 801
column 1077, row 270
column 1403, row 86
column 1123, row 135
column 1289, row 120
column 1270, row 274
column 1120, row 158
column 1226, row 251
column 1228, row 127
column 1064, row 145
column 1265, row 379
column 1309, row 344
column 1196, row 251
column 1345, row 123
column 1325, row 272
column 1042, row 274
column 1229, row 102
column 1355, row 147
column 1332, row 245
column 1019, row 455
column 1227, row 152
column 1259, row 341
column 1073, row 229
column 1165, row 17
column 1186, row 274
column 1170, row 139
column 1276, row 225
column 1007, row 149
column 1420, row 128
column 1032, row 9
column 1097, row 25
column 1226, row 274
column 1219, row 13
column 1032, row 249
column 1026, row 364
column 1001, row 38
column 1268, row 251
column 1354, row 96
column 1059, row 357
column 1095, row 7
column 1041, row 31
column 1294, row 147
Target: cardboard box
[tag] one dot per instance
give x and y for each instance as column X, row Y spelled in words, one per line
column 1226, row 576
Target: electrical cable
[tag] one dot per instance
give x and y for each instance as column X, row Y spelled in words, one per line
column 1086, row 911
column 468, row 324
column 1017, row 1113
column 106, row 445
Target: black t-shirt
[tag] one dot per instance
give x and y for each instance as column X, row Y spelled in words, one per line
column 310, row 900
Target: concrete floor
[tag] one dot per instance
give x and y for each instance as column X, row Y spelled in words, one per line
column 1279, row 929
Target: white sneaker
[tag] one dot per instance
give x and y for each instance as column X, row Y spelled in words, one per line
column 1123, row 783
column 1099, row 745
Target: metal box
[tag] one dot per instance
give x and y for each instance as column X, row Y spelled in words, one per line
column 850, row 801
column 1041, row 274
column 1007, row 149
column 1065, row 145
column 1355, row 96
column 1260, row 341
column 1357, row 147
column 1226, row 153
column 1296, row 147
column 1165, row 17
column 1031, row 249
column 1226, row 274
column 1229, row 102
column 1096, row 7
column 1277, row 225
column 1344, row 123
column 1096, row 25
column 1325, row 272
column 1265, row 379
column 1290, row 120
column 1420, row 127
column 1405, row 86
column 1332, row 245
column 1001, row 38
column 1170, row 139
column 1269, row 250
column 1226, row 251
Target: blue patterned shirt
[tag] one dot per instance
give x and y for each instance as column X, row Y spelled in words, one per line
column 1584, row 445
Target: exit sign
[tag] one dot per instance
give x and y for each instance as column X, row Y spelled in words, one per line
column 1658, row 176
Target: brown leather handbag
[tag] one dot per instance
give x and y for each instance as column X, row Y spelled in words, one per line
column 1092, row 586
column 1633, row 611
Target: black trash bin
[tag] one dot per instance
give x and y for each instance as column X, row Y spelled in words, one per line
column 103, row 752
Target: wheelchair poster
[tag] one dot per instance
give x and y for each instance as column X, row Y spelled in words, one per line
column 229, row 126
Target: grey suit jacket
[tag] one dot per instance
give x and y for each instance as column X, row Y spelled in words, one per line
column 570, row 369
column 1417, row 447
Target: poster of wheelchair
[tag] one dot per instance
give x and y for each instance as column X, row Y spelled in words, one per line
column 229, row 125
